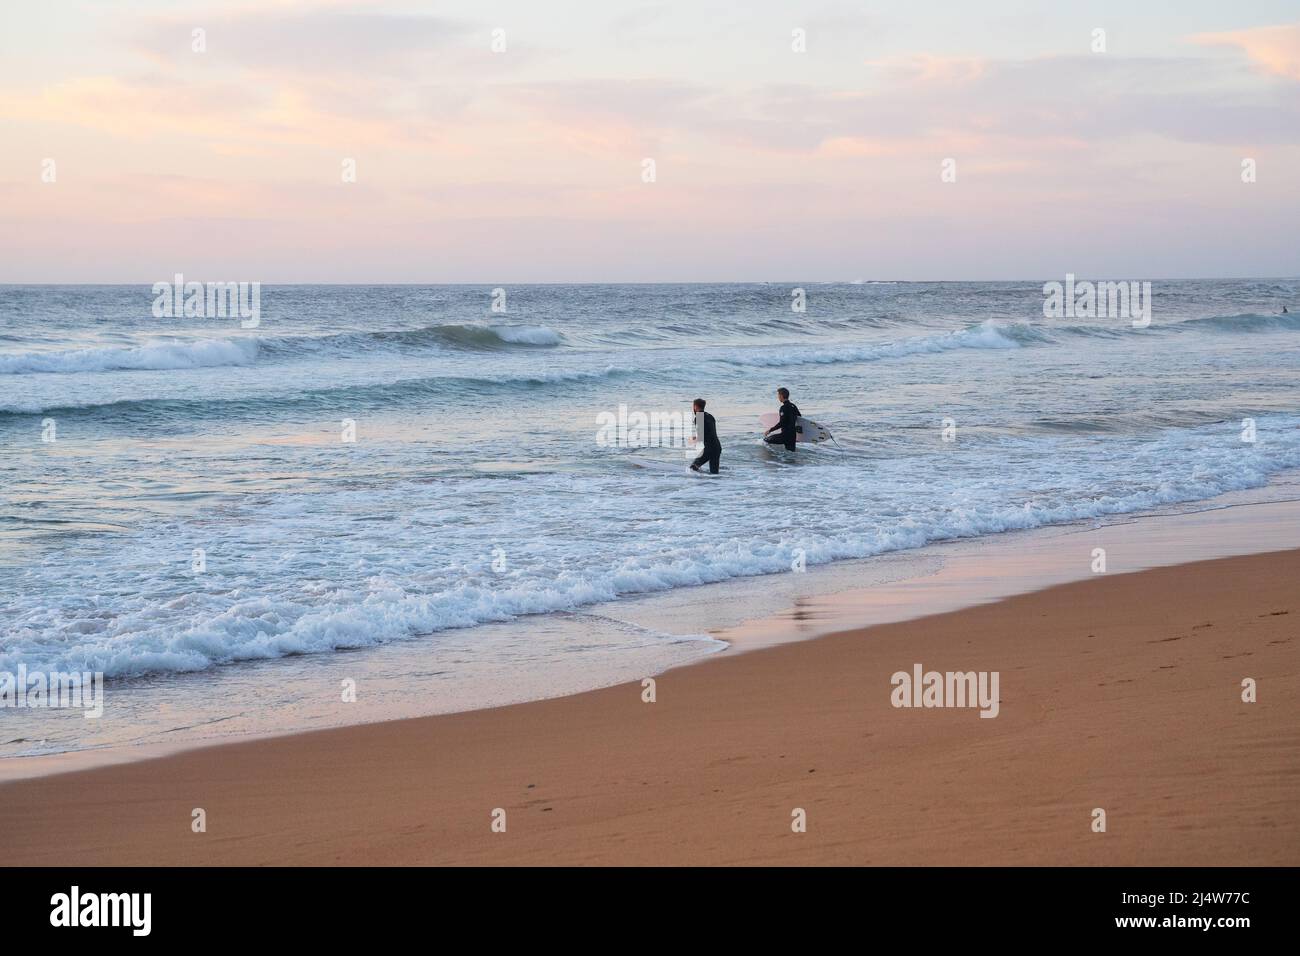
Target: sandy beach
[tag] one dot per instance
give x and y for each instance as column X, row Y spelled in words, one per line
column 1122, row 692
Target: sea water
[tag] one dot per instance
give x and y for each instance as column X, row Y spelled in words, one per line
column 211, row 515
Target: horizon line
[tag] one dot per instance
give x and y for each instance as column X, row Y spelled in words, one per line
column 667, row 282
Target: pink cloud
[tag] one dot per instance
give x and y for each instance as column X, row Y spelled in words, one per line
column 1275, row 50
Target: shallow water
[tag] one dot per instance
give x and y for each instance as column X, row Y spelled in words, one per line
column 477, row 492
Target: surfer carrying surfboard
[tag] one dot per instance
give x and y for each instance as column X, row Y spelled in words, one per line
column 786, row 428
column 708, row 429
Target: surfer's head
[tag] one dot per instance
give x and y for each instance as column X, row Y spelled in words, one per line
column 783, row 394
column 698, row 405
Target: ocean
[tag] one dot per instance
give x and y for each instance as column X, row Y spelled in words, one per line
column 401, row 482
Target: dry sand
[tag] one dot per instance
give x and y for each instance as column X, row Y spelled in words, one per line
column 1121, row 692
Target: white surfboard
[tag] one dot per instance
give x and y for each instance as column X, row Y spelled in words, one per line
column 806, row 430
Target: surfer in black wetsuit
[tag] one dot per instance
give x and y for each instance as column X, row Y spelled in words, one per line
column 712, row 450
column 785, row 428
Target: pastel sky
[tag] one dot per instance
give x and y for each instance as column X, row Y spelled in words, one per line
column 526, row 165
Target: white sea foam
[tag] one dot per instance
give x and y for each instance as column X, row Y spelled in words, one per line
column 230, row 445
column 528, row 334
column 156, row 355
column 277, row 586
column 986, row 335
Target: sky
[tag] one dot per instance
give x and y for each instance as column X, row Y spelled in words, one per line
column 528, row 141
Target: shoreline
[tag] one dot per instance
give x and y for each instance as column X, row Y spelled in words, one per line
column 898, row 587
column 1118, row 692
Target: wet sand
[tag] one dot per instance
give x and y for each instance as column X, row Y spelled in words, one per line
column 1122, row 692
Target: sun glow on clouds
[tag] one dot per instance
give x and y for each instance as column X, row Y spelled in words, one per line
column 1276, row 49
column 796, row 155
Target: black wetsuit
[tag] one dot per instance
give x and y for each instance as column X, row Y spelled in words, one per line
column 712, row 450
column 786, row 435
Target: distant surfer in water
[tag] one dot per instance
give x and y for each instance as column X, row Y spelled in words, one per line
column 712, row 450
column 785, row 428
